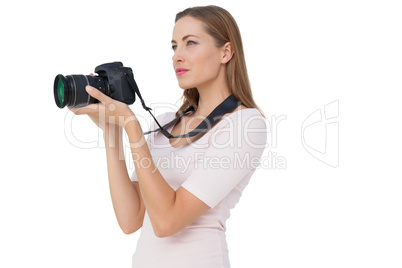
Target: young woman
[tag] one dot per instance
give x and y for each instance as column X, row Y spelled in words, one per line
column 182, row 189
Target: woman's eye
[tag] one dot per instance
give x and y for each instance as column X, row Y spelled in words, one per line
column 189, row 43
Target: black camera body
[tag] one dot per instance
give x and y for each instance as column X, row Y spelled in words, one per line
column 119, row 86
column 112, row 80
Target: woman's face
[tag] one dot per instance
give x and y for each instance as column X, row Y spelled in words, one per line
column 196, row 60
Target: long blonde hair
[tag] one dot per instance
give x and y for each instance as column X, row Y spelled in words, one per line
column 221, row 25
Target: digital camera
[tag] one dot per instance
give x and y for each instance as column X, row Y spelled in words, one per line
column 113, row 80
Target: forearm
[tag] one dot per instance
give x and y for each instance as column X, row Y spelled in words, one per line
column 156, row 193
column 125, row 199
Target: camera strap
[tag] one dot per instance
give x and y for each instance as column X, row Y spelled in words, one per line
column 228, row 105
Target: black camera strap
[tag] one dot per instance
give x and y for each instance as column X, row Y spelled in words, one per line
column 228, row 105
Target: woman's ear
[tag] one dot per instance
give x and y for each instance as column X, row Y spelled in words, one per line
column 227, row 53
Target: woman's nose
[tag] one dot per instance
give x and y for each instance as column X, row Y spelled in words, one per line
column 178, row 56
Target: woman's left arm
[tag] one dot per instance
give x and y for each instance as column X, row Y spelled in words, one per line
column 169, row 211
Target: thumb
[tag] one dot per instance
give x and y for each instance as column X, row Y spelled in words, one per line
column 95, row 93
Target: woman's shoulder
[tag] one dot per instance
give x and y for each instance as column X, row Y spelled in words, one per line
column 243, row 115
column 241, row 122
column 243, row 129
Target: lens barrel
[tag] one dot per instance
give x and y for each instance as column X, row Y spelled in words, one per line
column 70, row 90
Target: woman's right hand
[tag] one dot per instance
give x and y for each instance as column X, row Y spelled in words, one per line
column 109, row 130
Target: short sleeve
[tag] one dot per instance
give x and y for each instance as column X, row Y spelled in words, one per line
column 151, row 137
column 234, row 153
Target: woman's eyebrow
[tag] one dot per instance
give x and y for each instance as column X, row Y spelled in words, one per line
column 185, row 37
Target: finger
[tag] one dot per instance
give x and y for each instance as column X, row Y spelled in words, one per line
column 91, row 109
column 73, row 109
column 97, row 94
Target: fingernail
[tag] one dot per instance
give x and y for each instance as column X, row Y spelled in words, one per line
column 89, row 88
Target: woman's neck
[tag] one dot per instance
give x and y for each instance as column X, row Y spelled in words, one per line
column 208, row 101
column 211, row 96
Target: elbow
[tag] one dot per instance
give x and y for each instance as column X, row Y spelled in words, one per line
column 128, row 231
column 164, row 229
column 130, row 228
column 161, row 232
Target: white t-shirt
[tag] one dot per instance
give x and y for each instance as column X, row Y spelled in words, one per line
column 216, row 168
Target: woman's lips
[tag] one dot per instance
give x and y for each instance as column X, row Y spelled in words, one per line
column 181, row 71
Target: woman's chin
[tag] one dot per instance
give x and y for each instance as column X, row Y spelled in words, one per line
column 185, row 86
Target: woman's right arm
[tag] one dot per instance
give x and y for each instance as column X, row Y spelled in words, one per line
column 126, row 196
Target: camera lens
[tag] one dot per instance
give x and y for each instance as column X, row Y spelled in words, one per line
column 59, row 93
column 70, row 90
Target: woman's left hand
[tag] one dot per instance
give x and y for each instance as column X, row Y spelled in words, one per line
column 107, row 110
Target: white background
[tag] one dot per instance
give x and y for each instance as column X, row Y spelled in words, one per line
column 301, row 55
